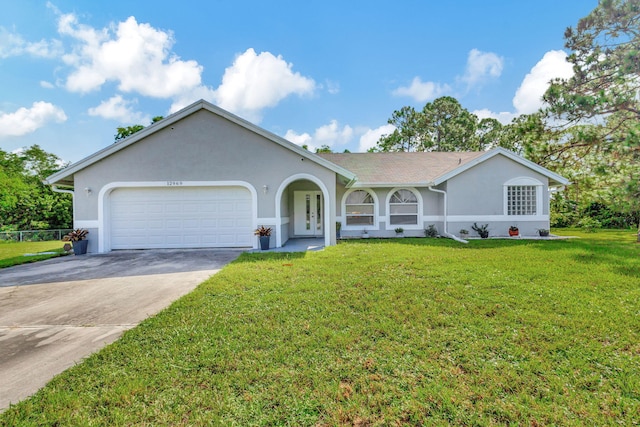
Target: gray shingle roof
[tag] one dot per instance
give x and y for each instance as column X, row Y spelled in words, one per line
column 400, row 168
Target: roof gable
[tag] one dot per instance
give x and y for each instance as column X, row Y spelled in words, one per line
column 553, row 177
column 422, row 168
column 65, row 176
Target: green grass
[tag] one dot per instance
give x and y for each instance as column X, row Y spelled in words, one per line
column 13, row 253
column 403, row 332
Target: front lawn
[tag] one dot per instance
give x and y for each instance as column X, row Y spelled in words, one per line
column 14, row 253
column 402, row 332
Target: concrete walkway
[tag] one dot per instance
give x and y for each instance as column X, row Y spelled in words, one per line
column 298, row 245
column 56, row 312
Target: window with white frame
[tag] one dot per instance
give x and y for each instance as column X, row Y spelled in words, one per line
column 359, row 208
column 403, row 208
column 523, row 196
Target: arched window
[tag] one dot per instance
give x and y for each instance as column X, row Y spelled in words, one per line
column 359, row 208
column 403, row 208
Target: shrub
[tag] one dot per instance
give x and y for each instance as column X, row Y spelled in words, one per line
column 589, row 225
column 431, row 231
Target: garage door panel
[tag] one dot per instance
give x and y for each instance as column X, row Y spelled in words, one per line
column 143, row 218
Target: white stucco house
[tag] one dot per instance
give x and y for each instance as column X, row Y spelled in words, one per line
column 204, row 177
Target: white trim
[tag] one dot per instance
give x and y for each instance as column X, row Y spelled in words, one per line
column 105, row 191
column 509, row 154
column 376, row 209
column 266, row 221
column 495, row 218
column 363, row 185
column 187, row 111
column 418, row 226
column 273, row 221
column 433, row 218
column 86, row 223
column 522, row 181
column 328, row 204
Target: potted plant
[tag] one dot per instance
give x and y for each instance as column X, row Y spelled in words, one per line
column 338, row 228
column 265, row 234
column 482, row 230
column 513, row 231
column 399, row 232
column 78, row 239
column 464, row 233
column 543, row 232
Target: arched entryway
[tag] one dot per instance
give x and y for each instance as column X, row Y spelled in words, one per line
column 303, row 209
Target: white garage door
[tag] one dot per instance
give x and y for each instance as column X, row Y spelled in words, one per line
column 180, row 217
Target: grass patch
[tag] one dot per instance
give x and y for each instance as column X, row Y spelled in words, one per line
column 13, row 253
column 404, row 332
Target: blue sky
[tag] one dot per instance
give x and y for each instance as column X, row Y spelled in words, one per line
column 329, row 72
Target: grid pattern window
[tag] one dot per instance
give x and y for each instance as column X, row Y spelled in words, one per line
column 522, row 200
column 359, row 208
column 403, row 208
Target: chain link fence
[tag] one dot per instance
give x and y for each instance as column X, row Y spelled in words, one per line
column 33, row 235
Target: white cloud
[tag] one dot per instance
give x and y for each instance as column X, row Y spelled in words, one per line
column 528, row 97
column 482, row 66
column 371, row 136
column 503, row 117
column 258, row 81
column 331, row 134
column 136, row 56
column 46, row 84
column 297, row 138
column 27, row 120
column 14, row 45
column 333, row 87
column 422, row 91
column 118, row 108
column 189, row 97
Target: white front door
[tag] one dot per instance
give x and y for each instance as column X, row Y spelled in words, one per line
column 307, row 208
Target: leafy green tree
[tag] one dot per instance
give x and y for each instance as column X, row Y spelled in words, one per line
column 600, row 104
column 448, row 126
column 408, row 133
column 324, row 149
column 605, row 53
column 443, row 125
column 125, row 131
column 25, row 202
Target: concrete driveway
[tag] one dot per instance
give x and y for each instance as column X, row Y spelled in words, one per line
column 56, row 312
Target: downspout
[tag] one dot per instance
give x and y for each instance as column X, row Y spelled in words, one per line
column 446, row 232
column 73, row 200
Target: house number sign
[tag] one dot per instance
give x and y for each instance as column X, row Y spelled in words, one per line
column 173, row 183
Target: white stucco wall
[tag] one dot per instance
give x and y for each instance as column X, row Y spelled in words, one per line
column 202, row 147
column 477, row 195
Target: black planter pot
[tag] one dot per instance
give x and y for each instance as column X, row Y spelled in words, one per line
column 80, row 247
column 264, row 242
